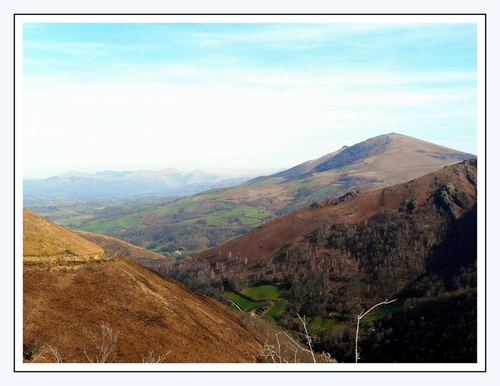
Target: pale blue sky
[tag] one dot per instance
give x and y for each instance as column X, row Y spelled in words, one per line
column 238, row 96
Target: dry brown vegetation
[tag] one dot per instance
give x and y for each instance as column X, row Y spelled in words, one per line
column 66, row 301
column 387, row 160
column 42, row 239
column 242, row 255
column 114, row 245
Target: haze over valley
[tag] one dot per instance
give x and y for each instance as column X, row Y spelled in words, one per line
column 182, row 225
column 392, row 217
column 249, row 190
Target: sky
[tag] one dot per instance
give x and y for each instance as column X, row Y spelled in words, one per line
column 241, row 96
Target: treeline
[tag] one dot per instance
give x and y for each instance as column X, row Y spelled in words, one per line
column 424, row 255
column 166, row 237
column 342, row 267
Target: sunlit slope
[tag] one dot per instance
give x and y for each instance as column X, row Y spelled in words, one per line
column 43, row 239
column 208, row 218
column 66, row 300
column 112, row 245
column 375, row 163
column 453, row 187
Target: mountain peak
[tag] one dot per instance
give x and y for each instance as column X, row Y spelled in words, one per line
column 452, row 188
column 74, row 173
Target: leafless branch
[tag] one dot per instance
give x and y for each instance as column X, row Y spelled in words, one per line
column 284, row 351
column 152, row 359
column 362, row 315
column 47, row 348
column 105, row 352
column 307, row 336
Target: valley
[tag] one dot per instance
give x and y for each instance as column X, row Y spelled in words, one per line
column 189, row 224
column 415, row 242
column 313, row 246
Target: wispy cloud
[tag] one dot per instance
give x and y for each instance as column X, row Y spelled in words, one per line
column 260, row 95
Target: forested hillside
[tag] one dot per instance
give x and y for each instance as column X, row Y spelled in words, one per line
column 415, row 242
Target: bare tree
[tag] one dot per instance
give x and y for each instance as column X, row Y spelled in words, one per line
column 150, row 358
column 286, row 351
column 106, row 351
column 48, row 349
column 362, row 315
column 308, row 338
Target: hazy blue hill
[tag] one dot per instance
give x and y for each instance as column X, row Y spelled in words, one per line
column 115, row 185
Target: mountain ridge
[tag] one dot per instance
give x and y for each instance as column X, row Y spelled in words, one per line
column 354, row 249
column 413, row 242
column 210, row 217
column 353, row 207
column 385, row 160
column 369, row 150
column 113, row 185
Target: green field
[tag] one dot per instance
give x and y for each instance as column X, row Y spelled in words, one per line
column 127, row 222
column 264, row 292
column 245, row 304
column 130, row 222
column 184, row 204
column 275, row 309
column 303, row 184
column 383, row 310
column 319, row 324
column 259, row 295
column 216, row 220
column 226, row 214
column 320, row 193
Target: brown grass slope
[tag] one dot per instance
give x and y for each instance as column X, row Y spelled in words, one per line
column 113, row 245
column 43, row 240
column 376, row 163
column 388, row 159
column 65, row 299
column 241, row 256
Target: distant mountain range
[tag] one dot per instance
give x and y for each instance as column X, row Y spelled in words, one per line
column 210, row 217
column 112, row 185
column 374, row 163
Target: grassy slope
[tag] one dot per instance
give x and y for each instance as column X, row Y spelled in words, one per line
column 66, row 297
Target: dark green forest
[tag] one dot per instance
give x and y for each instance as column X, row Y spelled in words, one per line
column 424, row 256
